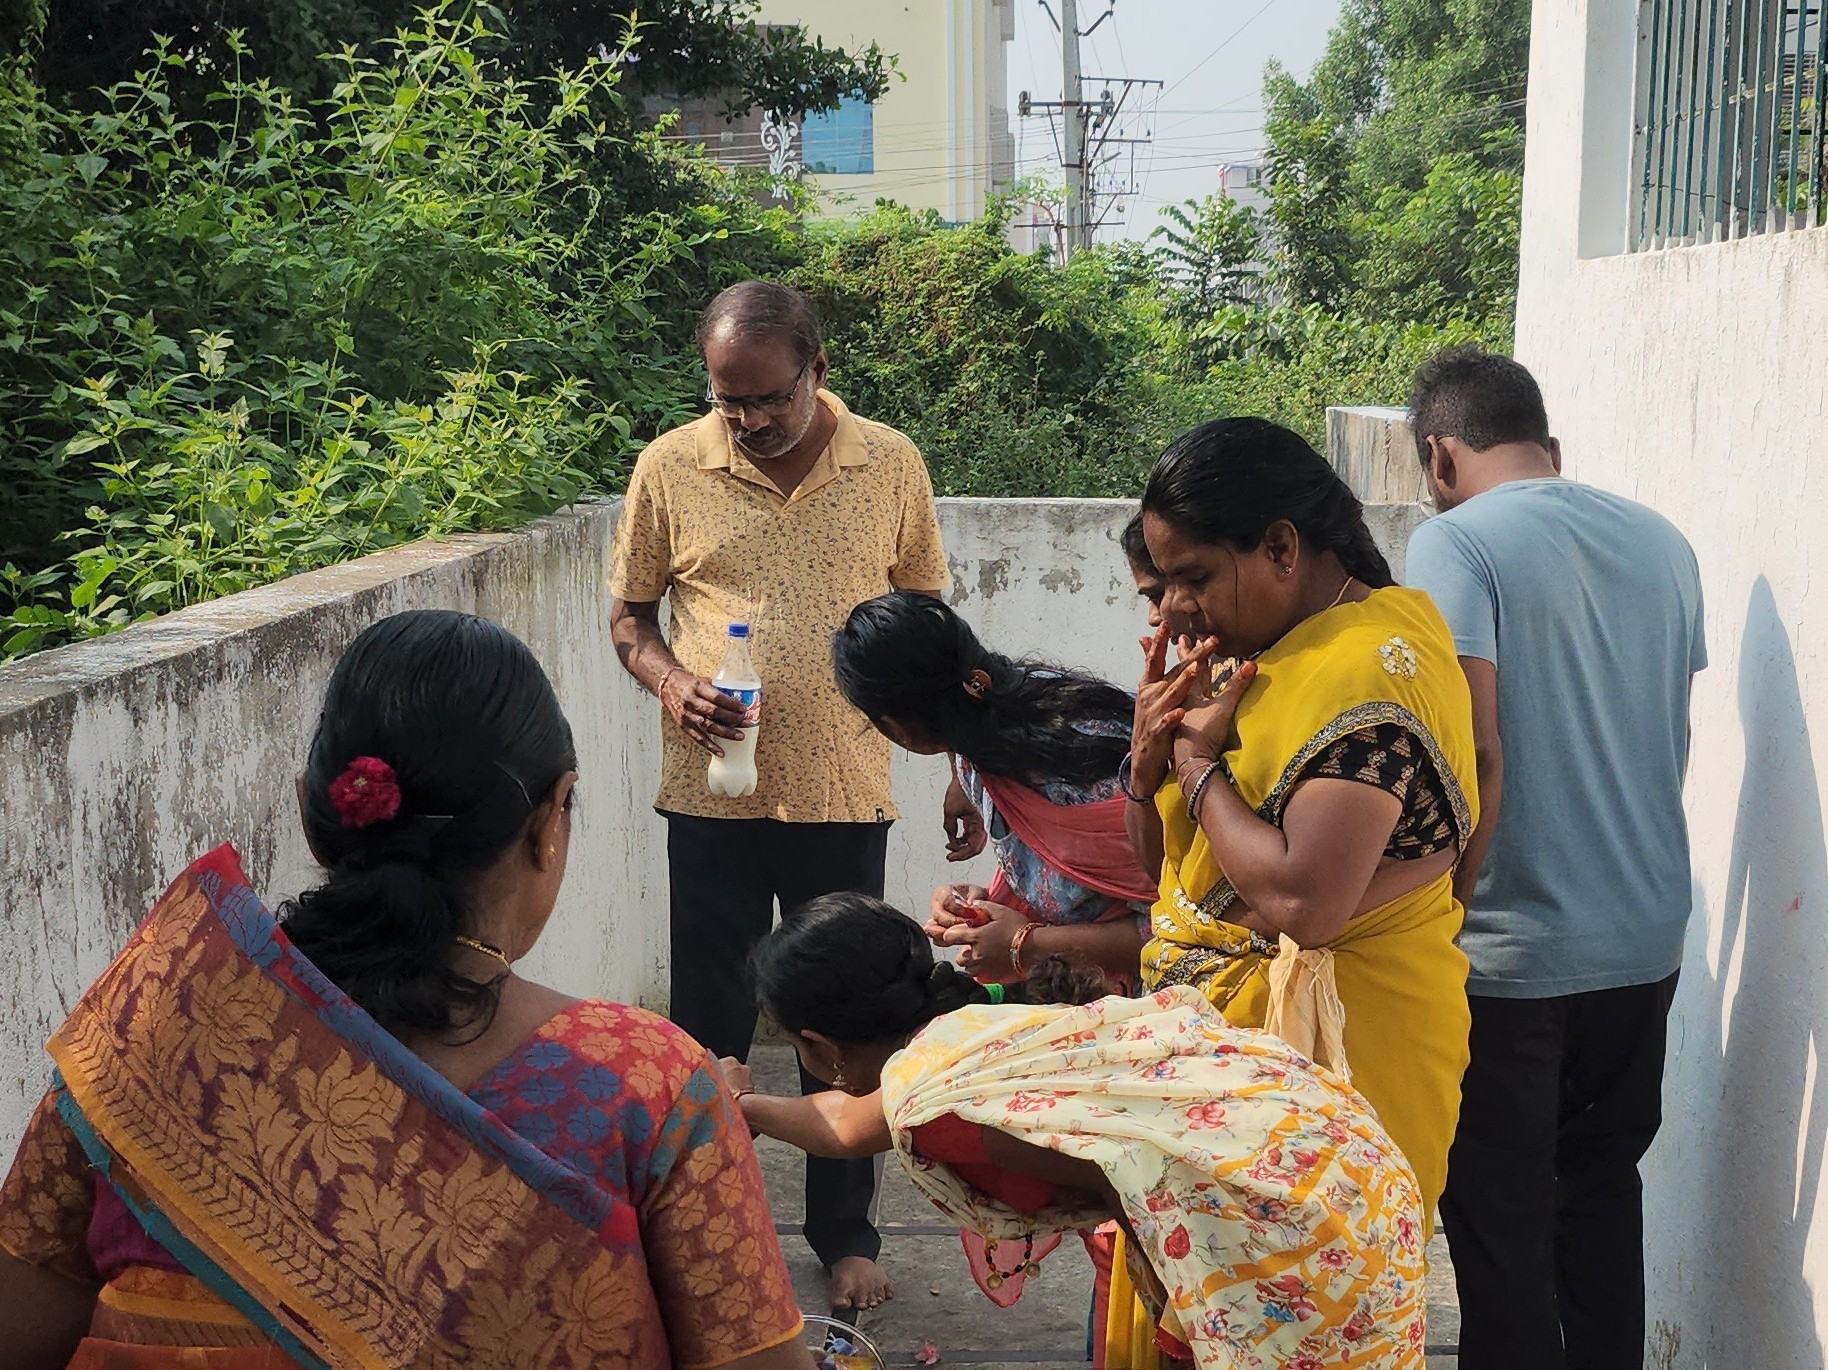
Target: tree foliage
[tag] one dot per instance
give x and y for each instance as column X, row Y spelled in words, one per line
column 1396, row 167
column 690, row 48
column 235, row 348
column 1206, row 250
column 262, row 312
column 1015, row 377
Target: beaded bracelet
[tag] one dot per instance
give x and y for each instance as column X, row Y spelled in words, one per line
column 1199, row 788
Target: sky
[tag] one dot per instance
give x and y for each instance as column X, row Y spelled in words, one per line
column 1209, row 54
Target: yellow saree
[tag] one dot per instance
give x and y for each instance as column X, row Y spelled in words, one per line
column 1400, row 978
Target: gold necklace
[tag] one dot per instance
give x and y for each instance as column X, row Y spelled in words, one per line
column 1342, row 592
column 477, row 944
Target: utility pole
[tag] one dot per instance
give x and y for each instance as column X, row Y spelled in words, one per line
column 1088, row 139
column 1077, row 230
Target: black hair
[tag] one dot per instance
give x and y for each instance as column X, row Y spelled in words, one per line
column 462, row 713
column 907, row 657
column 1135, row 546
column 763, row 309
column 856, row 970
column 1483, row 400
column 1228, row 480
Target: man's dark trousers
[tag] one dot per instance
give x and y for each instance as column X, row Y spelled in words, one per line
column 1544, row 1206
column 727, row 874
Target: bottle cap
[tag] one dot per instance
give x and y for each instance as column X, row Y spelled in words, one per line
column 739, row 630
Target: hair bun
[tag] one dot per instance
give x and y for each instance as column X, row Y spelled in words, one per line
column 949, row 988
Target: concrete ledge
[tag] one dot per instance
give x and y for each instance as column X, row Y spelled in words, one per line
column 1371, row 446
column 124, row 758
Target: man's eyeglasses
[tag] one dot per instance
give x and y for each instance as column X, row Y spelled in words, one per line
column 732, row 406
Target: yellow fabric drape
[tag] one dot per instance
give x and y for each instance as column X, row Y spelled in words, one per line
column 1399, row 977
column 1304, row 1006
column 1129, row 1334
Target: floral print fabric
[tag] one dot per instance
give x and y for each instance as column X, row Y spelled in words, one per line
column 1281, row 1227
column 362, row 1207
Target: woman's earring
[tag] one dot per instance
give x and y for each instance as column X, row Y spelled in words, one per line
column 1288, row 570
column 838, row 1081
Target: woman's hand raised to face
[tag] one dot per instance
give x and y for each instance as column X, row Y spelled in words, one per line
column 1161, row 702
column 1207, row 724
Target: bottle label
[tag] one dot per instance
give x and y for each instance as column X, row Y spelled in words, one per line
column 751, row 700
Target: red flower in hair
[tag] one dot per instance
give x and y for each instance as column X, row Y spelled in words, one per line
column 366, row 792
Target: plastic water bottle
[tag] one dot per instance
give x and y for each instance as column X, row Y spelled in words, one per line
column 732, row 775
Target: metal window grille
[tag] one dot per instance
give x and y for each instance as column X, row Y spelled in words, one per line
column 1731, row 101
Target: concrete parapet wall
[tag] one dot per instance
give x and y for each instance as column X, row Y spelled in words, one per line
column 123, row 759
column 1371, row 446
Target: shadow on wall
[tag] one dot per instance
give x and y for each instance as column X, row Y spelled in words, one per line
column 1768, row 1135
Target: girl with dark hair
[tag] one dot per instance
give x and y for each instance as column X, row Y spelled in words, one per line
column 1035, row 753
column 1320, row 789
column 354, row 1134
column 1271, row 1221
column 1148, row 580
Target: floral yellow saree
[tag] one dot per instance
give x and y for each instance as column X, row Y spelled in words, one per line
column 1282, row 1227
column 1400, row 978
column 294, row 1187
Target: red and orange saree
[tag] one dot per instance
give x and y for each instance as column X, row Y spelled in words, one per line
column 259, row 1176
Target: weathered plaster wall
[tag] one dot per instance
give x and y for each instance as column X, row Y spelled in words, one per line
column 1694, row 379
column 122, row 759
column 1371, row 446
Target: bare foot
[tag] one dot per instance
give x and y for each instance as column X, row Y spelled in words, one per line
column 857, row 1282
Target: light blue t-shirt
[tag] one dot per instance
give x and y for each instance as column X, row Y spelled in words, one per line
column 1590, row 606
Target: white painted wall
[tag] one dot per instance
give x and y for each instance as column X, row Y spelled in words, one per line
column 1696, row 380
column 123, row 759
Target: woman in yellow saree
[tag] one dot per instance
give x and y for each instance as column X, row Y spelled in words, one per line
column 353, row 1137
column 1311, row 799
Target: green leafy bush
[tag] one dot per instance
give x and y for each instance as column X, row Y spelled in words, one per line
column 1014, row 376
column 235, row 349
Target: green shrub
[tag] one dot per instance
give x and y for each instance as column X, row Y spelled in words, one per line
column 1014, row 376
column 236, row 349
column 1290, row 365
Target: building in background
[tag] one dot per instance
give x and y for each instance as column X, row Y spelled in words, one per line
column 1245, row 183
column 1673, row 301
column 938, row 139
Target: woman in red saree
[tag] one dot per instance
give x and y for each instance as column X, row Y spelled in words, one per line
column 1036, row 755
column 351, row 1135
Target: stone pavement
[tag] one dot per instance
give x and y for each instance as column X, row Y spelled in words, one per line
column 934, row 1297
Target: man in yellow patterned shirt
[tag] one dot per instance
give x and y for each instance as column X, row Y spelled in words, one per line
column 783, row 510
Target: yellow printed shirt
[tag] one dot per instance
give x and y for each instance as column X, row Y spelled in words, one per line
column 704, row 528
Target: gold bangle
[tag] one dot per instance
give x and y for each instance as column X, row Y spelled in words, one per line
column 666, row 675
column 1015, row 947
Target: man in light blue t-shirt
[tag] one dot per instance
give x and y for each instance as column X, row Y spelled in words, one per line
column 1577, row 617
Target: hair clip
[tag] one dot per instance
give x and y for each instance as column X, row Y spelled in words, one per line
column 977, row 684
